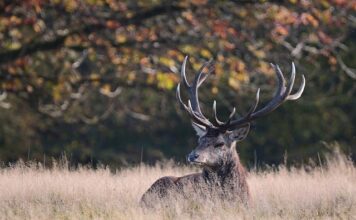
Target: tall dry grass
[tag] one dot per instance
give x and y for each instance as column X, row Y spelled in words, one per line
column 32, row 192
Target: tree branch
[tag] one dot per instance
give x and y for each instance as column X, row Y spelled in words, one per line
column 10, row 55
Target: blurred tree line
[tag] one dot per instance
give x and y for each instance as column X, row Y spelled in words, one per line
column 95, row 79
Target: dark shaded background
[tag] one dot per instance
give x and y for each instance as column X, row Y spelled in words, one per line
column 95, row 79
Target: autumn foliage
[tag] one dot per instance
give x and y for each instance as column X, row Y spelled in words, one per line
column 89, row 77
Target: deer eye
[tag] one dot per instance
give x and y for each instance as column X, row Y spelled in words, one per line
column 218, row 145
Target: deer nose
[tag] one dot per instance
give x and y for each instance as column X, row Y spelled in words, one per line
column 192, row 156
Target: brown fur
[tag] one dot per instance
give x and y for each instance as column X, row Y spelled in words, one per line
column 227, row 180
column 222, row 173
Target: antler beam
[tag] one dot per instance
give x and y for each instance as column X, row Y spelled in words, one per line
column 283, row 93
column 193, row 107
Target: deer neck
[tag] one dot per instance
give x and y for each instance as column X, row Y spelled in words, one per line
column 229, row 172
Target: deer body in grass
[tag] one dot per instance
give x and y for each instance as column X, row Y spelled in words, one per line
column 222, row 173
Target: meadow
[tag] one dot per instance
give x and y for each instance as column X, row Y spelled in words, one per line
column 30, row 191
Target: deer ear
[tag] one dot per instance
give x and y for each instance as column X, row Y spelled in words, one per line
column 201, row 130
column 240, row 133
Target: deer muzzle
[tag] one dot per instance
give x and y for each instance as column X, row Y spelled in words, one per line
column 192, row 157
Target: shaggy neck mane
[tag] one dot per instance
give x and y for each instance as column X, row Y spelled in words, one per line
column 231, row 172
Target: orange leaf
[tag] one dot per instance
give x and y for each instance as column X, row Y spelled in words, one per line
column 324, row 38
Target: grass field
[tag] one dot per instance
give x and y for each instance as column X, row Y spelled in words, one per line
column 32, row 192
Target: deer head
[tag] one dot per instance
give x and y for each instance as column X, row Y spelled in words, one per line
column 217, row 140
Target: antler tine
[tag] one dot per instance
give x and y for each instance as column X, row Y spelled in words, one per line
column 299, row 92
column 193, row 107
column 281, row 81
column 220, row 123
column 199, row 119
column 182, row 72
column 215, row 115
column 210, row 66
column 180, row 98
column 254, row 107
column 231, row 115
column 194, row 90
column 198, row 80
column 189, row 109
column 282, row 94
column 247, row 117
column 291, row 80
column 279, row 96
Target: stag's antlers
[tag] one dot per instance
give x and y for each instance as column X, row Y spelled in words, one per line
column 193, row 107
column 283, row 94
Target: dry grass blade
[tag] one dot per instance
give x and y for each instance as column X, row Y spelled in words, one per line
column 36, row 193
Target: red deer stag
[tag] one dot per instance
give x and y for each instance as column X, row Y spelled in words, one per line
column 216, row 153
